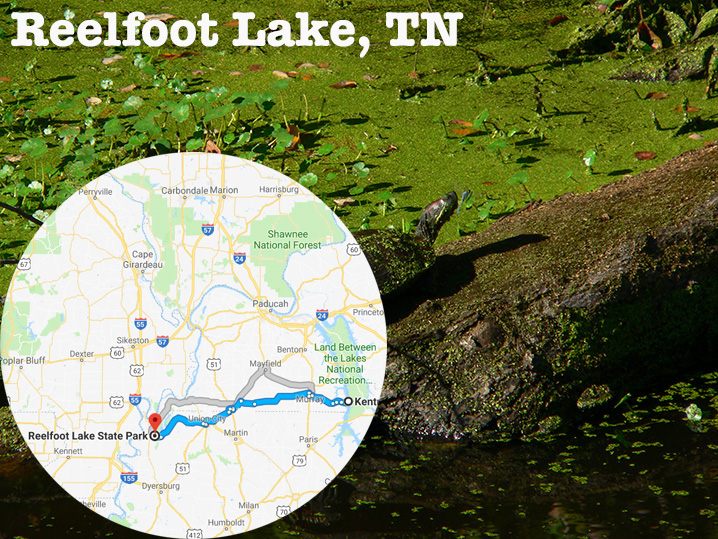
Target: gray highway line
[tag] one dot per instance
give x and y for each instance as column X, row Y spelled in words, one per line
column 269, row 375
column 261, row 371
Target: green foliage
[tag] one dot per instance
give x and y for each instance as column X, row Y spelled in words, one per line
column 132, row 103
column 68, row 138
column 194, row 144
column 325, row 149
column 34, row 147
column 519, row 178
column 479, row 121
column 283, row 138
column 279, row 85
column 309, row 180
column 693, row 412
column 708, row 20
column 361, row 170
column 589, row 158
column 484, row 210
column 496, row 145
column 387, row 201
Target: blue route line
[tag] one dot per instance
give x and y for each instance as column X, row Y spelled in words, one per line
column 247, row 403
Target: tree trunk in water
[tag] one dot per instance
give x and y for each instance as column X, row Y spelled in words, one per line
column 561, row 307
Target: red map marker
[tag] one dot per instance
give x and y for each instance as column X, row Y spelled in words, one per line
column 155, row 420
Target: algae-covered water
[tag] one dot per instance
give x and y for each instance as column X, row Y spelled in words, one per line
column 643, row 469
column 500, row 114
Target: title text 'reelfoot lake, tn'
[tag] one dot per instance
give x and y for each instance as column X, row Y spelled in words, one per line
column 139, row 29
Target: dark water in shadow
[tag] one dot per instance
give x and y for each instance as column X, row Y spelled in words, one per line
column 640, row 470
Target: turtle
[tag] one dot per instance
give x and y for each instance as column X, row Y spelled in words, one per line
column 399, row 259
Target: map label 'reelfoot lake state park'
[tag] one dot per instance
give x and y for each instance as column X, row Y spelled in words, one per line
column 187, row 350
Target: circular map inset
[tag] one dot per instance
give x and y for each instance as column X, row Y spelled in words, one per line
column 193, row 345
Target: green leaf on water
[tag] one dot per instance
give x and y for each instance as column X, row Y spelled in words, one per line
column 113, row 127
column 132, row 103
column 264, row 101
column 485, row 209
column 47, row 111
column 279, row 85
column 309, row 179
column 325, row 149
column 167, row 106
column 86, row 154
column 67, row 132
column 479, row 121
column 283, row 137
column 219, row 91
column 589, row 158
column 194, row 144
column 209, row 97
column 88, row 137
column 496, row 145
column 238, row 98
column 137, row 140
column 361, row 170
column 217, row 113
column 34, row 147
column 67, row 104
column 181, row 112
column 147, row 124
column 693, row 413
column 518, row 178
column 139, row 61
column 162, row 145
column 194, row 98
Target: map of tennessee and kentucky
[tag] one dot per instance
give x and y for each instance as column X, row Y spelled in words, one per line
column 193, row 345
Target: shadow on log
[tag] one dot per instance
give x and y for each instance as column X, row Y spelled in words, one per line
column 562, row 307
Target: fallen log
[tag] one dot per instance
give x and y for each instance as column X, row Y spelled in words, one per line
column 561, row 307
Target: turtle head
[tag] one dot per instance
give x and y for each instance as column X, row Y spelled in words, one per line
column 435, row 215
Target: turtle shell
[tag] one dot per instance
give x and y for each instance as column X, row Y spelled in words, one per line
column 396, row 259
